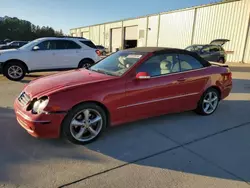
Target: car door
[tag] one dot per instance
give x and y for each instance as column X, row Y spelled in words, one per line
column 67, row 54
column 215, row 53
column 43, row 56
column 206, row 53
column 156, row 95
column 192, row 81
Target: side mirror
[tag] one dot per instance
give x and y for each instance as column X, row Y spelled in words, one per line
column 142, row 76
column 36, row 48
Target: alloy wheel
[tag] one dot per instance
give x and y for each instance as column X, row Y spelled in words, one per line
column 86, row 125
column 210, row 102
column 15, row 71
column 86, row 65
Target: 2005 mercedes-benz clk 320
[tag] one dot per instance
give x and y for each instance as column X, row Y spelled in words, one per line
column 125, row 86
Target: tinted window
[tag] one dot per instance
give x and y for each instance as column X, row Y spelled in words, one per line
column 66, row 44
column 160, row 65
column 14, row 44
column 22, row 43
column 188, row 62
column 194, row 48
column 214, row 49
column 47, row 45
column 206, row 49
column 89, row 44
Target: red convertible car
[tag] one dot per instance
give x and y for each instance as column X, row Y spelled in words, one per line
column 126, row 86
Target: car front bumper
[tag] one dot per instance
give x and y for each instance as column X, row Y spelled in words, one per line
column 42, row 125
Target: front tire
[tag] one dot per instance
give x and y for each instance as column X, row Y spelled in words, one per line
column 14, row 71
column 208, row 102
column 84, row 123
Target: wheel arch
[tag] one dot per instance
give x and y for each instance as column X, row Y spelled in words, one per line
column 217, row 89
column 90, row 102
column 106, row 110
column 17, row 60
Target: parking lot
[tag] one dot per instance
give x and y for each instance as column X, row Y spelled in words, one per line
column 177, row 150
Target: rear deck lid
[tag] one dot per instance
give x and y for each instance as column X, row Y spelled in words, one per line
column 218, row 64
column 219, row 42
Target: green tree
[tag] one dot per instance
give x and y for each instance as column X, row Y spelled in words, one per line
column 16, row 29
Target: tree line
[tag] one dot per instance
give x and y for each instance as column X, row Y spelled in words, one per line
column 17, row 29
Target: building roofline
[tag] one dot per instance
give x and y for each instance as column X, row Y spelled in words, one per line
column 167, row 12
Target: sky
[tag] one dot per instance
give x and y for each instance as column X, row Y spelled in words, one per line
column 67, row 14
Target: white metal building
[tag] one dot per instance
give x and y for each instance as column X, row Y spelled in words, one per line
column 179, row 29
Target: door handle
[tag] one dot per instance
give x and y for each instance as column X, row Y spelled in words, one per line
column 181, row 79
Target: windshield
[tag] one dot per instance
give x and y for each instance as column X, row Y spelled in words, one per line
column 118, row 63
column 30, row 44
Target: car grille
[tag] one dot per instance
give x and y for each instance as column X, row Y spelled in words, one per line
column 24, row 99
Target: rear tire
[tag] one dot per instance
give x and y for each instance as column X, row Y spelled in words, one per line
column 14, row 71
column 208, row 103
column 84, row 123
column 85, row 63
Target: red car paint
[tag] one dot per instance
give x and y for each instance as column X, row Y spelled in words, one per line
column 125, row 98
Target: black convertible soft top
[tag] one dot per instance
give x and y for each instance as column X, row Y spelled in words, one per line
column 161, row 50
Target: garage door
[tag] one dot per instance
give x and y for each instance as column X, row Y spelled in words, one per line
column 131, row 33
column 85, row 34
column 116, row 39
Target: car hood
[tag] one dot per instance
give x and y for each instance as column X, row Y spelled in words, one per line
column 9, row 51
column 68, row 79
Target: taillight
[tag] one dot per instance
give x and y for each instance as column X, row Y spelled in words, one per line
column 98, row 52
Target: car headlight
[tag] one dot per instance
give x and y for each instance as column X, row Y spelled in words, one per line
column 39, row 105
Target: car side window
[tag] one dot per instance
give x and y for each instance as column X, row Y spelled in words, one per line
column 66, row 45
column 214, row 49
column 162, row 64
column 205, row 50
column 14, row 44
column 89, row 44
column 188, row 62
column 47, row 45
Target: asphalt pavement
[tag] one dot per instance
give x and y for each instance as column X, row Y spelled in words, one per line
column 176, row 150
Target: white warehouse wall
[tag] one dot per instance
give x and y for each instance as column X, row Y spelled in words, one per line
column 102, row 35
column 176, row 29
column 181, row 28
column 142, row 25
column 227, row 21
column 133, row 22
column 152, row 30
column 246, row 57
column 95, row 34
